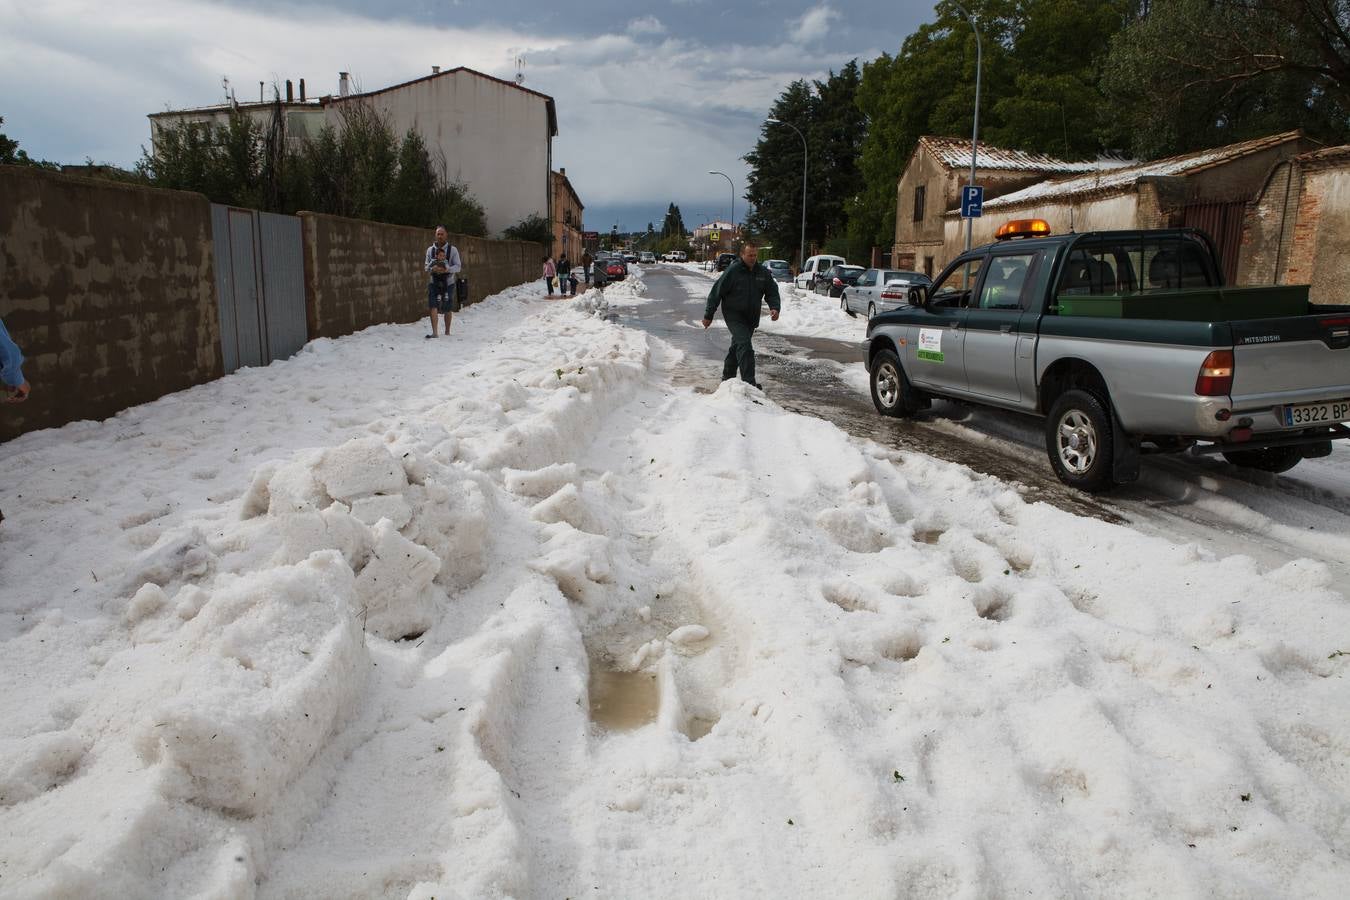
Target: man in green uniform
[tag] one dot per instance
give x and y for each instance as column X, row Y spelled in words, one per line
column 740, row 291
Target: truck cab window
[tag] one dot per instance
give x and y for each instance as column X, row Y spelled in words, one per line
column 955, row 289
column 1005, row 279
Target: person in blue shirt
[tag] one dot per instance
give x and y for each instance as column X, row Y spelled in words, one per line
column 11, row 368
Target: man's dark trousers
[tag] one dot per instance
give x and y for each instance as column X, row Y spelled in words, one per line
column 740, row 355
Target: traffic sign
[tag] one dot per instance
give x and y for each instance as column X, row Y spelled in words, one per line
column 714, row 236
column 972, row 199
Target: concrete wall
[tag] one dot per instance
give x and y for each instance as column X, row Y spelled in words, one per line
column 359, row 273
column 494, row 136
column 109, row 291
column 1268, row 227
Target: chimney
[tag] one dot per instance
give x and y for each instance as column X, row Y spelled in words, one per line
column 290, row 91
column 435, row 70
column 562, row 170
column 302, row 90
column 344, row 84
column 260, row 92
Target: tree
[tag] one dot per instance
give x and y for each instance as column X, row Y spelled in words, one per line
column 673, row 225
column 534, row 228
column 1190, row 74
column 827, row 114
column 358, row 167
column 12, row 155
column 1039, row 90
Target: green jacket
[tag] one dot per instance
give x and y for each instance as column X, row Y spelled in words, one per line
column 741, row 291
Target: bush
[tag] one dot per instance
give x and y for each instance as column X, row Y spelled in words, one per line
column 534, row 228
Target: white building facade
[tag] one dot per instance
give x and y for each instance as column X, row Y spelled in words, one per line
column 495, row 136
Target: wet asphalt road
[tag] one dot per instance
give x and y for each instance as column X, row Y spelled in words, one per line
column 798, row 375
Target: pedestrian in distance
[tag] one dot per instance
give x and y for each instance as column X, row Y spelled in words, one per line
column 550, row 270
column 17, row 387
column 741, row 291
column 586, row 262
column 443, row 265
column 564, row 273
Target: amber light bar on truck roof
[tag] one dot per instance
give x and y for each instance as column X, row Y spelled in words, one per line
column 1019, row 228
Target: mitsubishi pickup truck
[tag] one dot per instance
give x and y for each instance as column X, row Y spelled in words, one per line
column 1126, row 343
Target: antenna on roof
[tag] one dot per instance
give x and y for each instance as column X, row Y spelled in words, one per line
column 225, row 85
column 520, row 70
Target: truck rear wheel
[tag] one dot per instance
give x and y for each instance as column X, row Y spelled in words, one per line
column 1267, row 459
column 892, row 394
column 1080, row 442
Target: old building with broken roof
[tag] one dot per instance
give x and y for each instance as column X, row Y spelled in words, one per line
column 1277, row 207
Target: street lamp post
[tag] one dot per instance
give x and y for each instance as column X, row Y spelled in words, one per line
column 733, row 200
column 801, row 251
column 975, row 131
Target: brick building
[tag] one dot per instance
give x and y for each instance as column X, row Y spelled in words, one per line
column 568, row 234
column 1209, row 189
column 931, row 184
column 1297, row 229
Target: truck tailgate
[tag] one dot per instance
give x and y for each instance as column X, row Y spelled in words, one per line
column 1291, row 360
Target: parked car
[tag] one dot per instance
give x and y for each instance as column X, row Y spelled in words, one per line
column 1125, row 343
column 780, row 269
column 836, row 279
column 646, row 257
column 630, row 256
column 724, row 260
column 880, row 290
column 815, row 268
column 678, row 256
column 615, row 268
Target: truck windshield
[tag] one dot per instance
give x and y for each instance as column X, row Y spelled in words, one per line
column 1136, row 264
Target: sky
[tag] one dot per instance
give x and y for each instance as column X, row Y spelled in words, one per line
column 650, row 96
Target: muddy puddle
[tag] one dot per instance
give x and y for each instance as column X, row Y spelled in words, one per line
column 623, row 701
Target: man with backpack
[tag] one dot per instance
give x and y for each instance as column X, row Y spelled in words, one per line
column 442, row 264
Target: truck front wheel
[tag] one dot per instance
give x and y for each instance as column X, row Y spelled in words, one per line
column 1267, row 459
column 1079, row 441
column 892, row 394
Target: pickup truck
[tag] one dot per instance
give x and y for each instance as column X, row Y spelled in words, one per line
column 1125, row 343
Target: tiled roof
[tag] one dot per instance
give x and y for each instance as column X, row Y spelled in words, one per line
column 1326, row 158
column 1121, row 179
column 955, row 154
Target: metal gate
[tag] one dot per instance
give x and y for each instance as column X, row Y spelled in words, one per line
column 1223, row 222
column 260, row 284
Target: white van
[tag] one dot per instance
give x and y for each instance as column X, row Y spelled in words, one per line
column 816, row 267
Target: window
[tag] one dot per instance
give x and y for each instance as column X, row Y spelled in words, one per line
column 955, row 288
column 919, row 197
column 1005, row 281
column 928, row 266
column 868, row 278
column 1141, row 263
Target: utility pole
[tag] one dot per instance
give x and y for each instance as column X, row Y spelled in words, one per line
column 975, row 131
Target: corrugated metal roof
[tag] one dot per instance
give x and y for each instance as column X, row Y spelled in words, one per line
column 1121, row 179
column 954, row 153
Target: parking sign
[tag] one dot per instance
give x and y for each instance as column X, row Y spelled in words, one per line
column 972, row 198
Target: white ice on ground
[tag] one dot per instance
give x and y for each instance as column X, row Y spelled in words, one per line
column 332, row 628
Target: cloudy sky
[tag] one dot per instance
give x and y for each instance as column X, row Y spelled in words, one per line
column 651, row 95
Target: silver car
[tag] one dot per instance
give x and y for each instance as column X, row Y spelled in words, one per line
column 870, row 296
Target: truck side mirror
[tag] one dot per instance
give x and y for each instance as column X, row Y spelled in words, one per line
column 918, row 295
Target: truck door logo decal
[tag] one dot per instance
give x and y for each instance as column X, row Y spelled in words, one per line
column 930, row 345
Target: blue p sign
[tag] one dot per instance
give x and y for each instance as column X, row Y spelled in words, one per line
column 972, row 199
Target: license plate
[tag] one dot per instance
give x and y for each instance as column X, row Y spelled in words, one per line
column 1316, row 413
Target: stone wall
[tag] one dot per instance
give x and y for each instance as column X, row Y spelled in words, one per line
column 360, row 273
column 109, row 291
